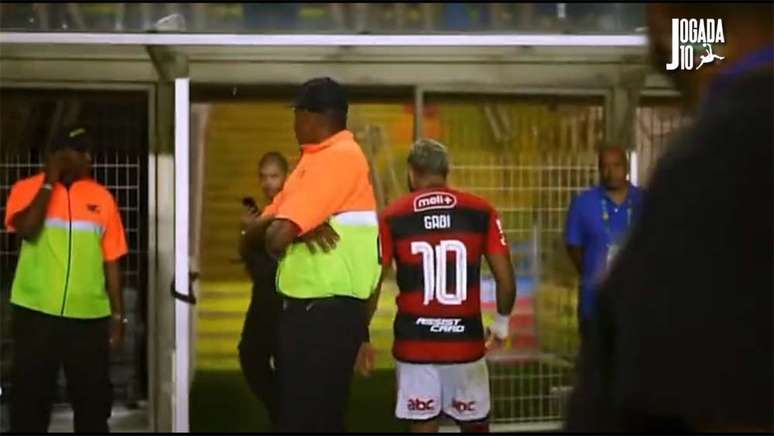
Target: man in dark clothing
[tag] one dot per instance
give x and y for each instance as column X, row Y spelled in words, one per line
column 683, row 338
column 258, row 345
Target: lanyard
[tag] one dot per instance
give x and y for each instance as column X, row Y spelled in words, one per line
column 748, row 63
column 606, row 216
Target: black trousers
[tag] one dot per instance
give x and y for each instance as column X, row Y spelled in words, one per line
column 318, row 343
column 584, row 327
column 43, row 344
column 257, row 348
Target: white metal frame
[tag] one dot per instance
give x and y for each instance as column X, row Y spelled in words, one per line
column 182, row 308
column 633, row 168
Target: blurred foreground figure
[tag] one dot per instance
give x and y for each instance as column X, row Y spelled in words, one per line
column 683, row 338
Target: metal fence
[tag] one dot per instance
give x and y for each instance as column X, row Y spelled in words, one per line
column 528, row 156
column 529, row 377
column 531, row 182
column 120, row 164
column 656, row 120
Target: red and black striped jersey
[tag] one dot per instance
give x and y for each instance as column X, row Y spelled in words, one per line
column 437, row 238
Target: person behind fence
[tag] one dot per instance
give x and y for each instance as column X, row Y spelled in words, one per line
column 683, row 339
column 329, row 199
column 258, row 344
column 437, row 236
column 597, row 223
column 66, row 296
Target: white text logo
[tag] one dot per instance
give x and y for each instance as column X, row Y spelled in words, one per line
column 434, row 200
column 442, row 325
column 692, row 39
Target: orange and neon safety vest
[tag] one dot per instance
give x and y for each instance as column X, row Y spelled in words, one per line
column 61, row 272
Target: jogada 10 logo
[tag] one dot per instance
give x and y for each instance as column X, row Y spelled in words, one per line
column 692, row 43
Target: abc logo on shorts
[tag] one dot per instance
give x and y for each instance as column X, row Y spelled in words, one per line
column 415, row 404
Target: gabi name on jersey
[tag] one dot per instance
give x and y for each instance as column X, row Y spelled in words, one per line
column 435, row 222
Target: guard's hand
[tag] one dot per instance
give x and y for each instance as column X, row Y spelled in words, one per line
column 323, row 237
column 116, row 334
column 366, row 356
column 54, row 165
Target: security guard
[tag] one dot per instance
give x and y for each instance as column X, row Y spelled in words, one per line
column 66, row 294
column 329, row 198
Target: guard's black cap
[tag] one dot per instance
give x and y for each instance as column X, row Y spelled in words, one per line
column 321, row 94
column 76, row 137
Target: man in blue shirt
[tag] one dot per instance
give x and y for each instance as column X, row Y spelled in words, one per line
column 597, row 223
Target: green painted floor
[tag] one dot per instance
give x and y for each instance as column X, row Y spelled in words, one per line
column 521, row 392
column 221, row 402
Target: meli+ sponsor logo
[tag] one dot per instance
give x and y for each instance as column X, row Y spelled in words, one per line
column 434, row 200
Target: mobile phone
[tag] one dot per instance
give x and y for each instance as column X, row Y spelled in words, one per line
column 249, row 202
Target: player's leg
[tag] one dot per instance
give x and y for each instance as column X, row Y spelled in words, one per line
column 466, row 399
column 481, row 426
column 429, row 426
column 419, row 396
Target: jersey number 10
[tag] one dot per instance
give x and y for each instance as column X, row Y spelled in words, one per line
column 434, row 266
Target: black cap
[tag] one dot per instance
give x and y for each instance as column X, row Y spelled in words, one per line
column 75, row 137
column 321, row 94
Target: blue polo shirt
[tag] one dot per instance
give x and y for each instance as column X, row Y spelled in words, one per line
column 586, row 228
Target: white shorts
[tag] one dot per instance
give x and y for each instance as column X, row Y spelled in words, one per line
column 459, row 390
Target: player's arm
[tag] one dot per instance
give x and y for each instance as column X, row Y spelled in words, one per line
column 501, row 267
column 498, row 256
column 505, row 279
